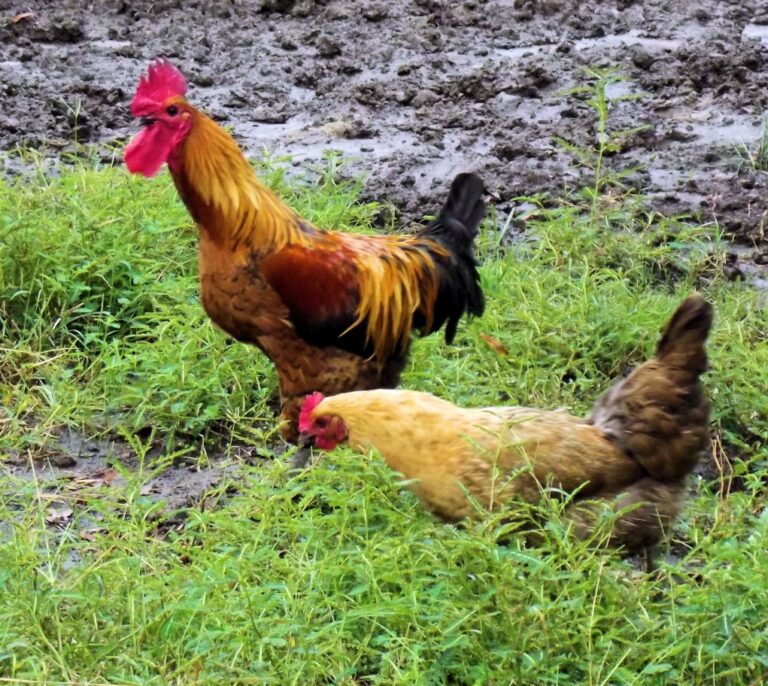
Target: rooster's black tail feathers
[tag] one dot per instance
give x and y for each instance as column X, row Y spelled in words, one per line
column 455, row 229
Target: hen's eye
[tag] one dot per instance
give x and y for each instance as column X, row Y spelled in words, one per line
column 321, row 422
column 173, row 110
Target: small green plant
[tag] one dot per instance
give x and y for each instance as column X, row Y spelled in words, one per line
column 754, row 156
column 606, row 141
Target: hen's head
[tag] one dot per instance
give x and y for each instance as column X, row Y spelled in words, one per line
column 327, row 430
column 166, row 117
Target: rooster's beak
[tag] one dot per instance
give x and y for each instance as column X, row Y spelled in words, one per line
column 147, row 121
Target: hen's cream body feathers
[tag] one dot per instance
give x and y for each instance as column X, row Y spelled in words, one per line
column 644, row 437
column 492, row 453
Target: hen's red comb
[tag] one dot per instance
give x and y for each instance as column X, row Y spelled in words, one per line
column 310, row 403
column 161, row 82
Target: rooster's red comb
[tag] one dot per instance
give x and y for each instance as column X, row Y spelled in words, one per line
column 310, row 403
column 161, row 82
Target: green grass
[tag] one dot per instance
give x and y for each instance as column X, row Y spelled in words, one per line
column 337, row 576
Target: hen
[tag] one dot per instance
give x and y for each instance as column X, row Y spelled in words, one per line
column 643, row 438
column 333, row 311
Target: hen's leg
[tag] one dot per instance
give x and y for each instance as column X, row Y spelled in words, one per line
column 653, row 507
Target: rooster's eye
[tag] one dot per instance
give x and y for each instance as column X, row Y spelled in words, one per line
column 321, row 422
column 173, row 110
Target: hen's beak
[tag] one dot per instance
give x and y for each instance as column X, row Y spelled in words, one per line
column 304, row 441
column 147, row 121
column 301, row 459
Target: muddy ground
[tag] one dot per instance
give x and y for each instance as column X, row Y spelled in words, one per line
column 417, row 90
column 413, row 91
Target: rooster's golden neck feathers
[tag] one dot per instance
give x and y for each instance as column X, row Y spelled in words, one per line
column 223, row 194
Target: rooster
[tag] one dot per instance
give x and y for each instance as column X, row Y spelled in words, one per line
column 643, row 438
column 334, row 312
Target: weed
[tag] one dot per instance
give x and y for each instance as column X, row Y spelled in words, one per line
column 755, row 157
column 606, row 141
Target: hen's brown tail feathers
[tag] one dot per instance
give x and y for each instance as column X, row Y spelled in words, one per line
column 681, row 346
column 659, row 414
column 455, row 228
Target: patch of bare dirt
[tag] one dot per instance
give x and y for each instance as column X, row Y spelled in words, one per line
column 416, row 90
